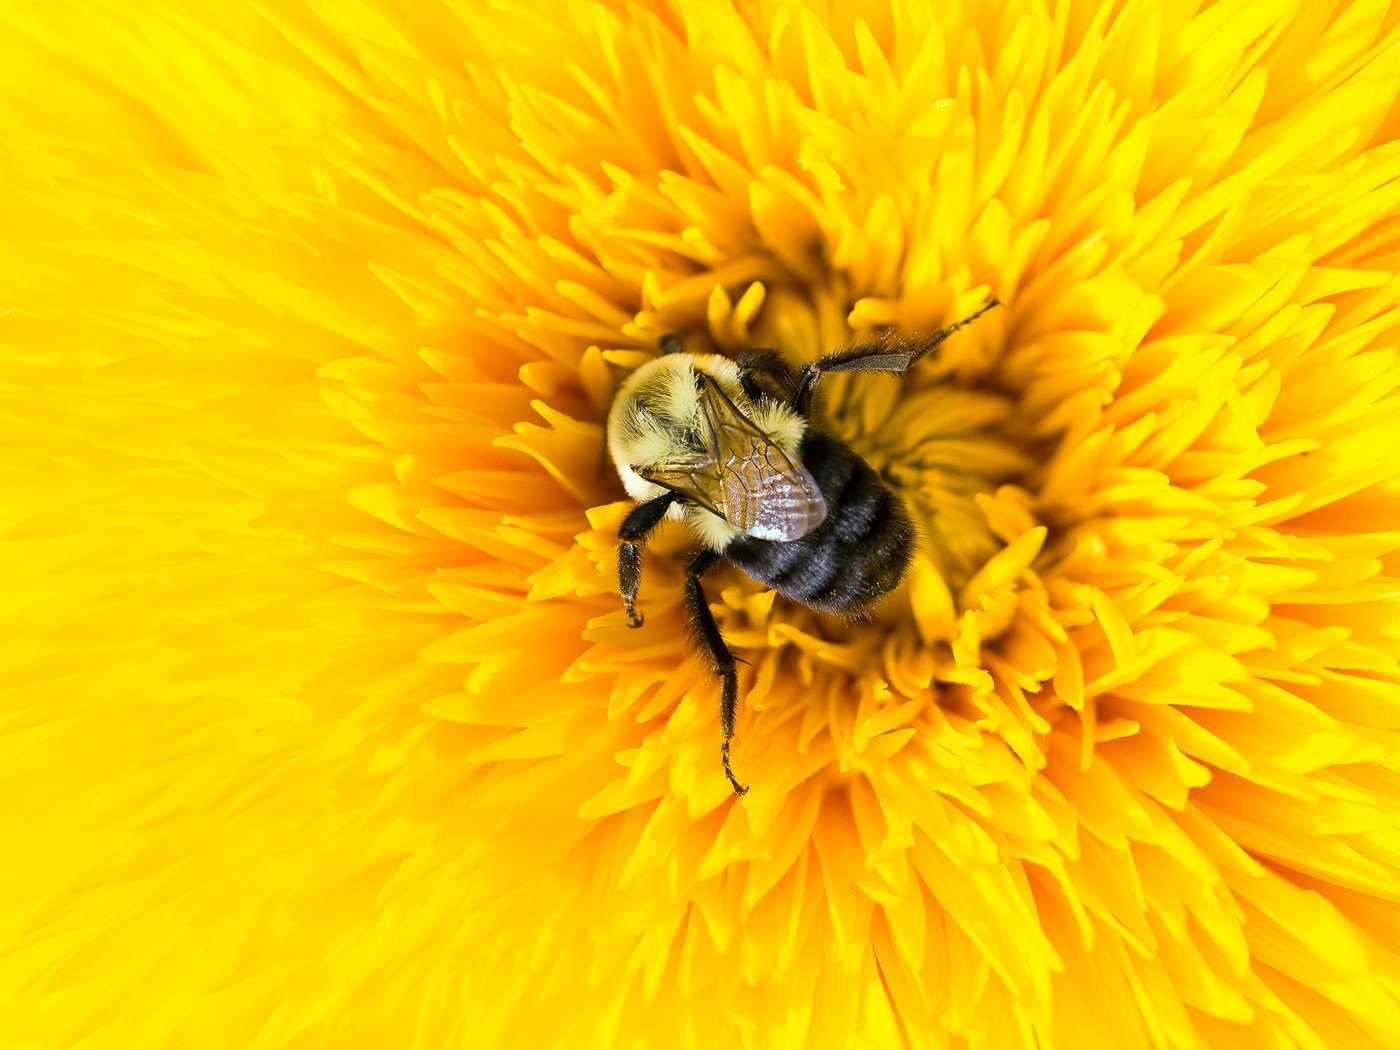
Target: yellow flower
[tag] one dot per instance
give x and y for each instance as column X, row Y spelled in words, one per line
column 322, row 725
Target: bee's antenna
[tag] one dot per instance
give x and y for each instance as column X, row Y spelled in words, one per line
column 669, row 344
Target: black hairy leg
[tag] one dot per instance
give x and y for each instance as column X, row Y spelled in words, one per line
column 721, row 659
column 884, row 354
column 640, row 520
column 765, row 376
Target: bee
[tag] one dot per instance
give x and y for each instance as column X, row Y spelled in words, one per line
column 729, row 447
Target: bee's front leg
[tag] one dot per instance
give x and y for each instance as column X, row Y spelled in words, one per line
column 635, row 527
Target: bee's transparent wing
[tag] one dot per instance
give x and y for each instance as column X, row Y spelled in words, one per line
column 745, row 478
column 697, row 481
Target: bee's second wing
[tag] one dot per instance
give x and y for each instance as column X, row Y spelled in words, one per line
column 697, row 481
column 762, row 491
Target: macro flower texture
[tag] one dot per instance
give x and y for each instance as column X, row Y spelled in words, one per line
column 322, row 722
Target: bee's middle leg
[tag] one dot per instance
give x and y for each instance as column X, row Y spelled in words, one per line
column 721, row 659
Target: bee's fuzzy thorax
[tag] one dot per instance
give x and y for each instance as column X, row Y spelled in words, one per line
column 656, row 414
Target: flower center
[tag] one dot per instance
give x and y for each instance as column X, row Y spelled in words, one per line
column 941, row 447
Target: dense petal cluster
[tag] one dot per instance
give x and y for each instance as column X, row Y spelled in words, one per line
column 321, row 724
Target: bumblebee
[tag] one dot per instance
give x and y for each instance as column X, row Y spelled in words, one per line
column 729, row 447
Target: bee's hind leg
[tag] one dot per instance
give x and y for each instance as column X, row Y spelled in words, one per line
column 721, row 659
column 764, row 375
column 641, row 520
column 888, row 353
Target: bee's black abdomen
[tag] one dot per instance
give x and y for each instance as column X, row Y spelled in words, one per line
column 856, row 556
